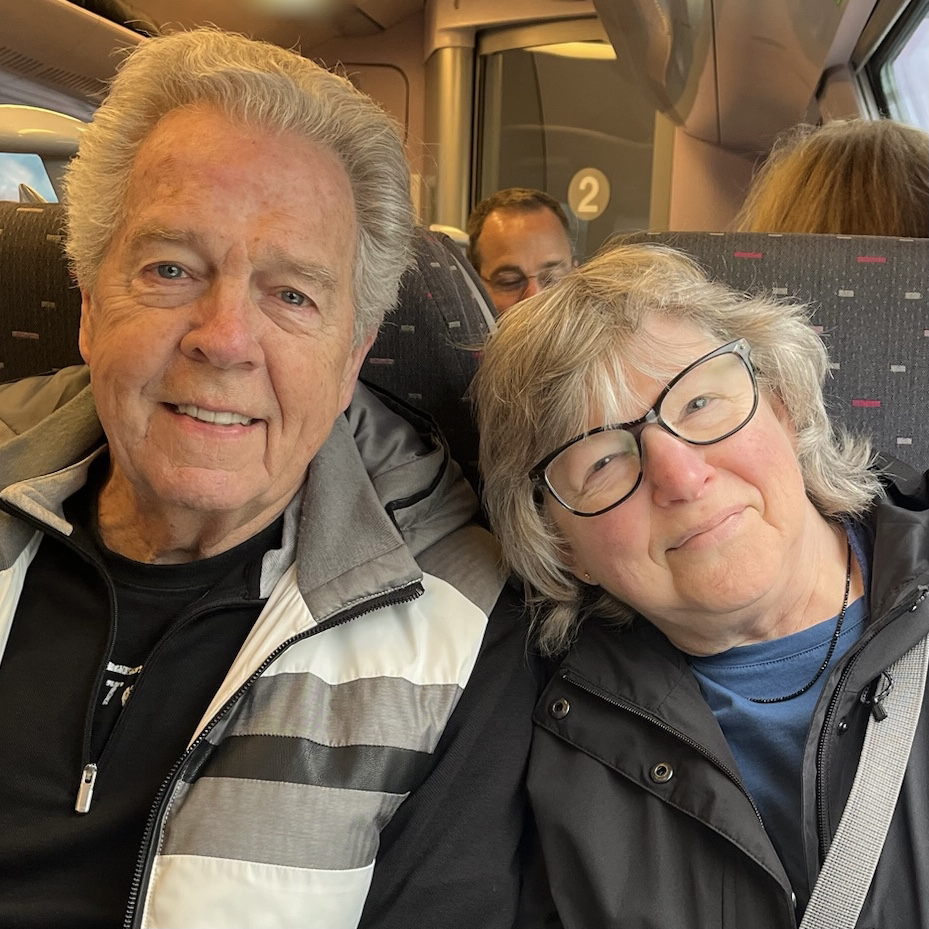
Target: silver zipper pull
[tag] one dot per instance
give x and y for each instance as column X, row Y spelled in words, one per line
column 85, row 792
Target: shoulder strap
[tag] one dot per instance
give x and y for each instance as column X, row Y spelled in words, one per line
column 846, row 875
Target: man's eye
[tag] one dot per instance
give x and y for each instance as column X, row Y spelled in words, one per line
column 169, row 272
column 509, row 283
column 293, row 297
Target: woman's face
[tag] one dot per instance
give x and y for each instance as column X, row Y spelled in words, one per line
column 717, row 542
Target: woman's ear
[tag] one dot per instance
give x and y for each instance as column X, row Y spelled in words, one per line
column 566, row 555
column 782, row 415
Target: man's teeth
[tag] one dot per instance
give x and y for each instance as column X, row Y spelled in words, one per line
column 223, row 417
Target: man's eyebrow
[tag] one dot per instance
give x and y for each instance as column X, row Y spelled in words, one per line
column 516, row 269
column 282, row 261
column 273, row 256
column 150, row 234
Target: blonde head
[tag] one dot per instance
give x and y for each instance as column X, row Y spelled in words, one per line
column 849, row 177
column 561, row 357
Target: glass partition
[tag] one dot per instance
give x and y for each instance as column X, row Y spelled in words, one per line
column 558, row 112
column 897, row 70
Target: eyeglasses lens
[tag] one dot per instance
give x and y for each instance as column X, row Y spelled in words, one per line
column 518, row 283
column 509, row 284
column 708, row 403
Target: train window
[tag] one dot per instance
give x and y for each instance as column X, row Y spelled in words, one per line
column 897, row 69
column 23, row 178
column 557, row 112
column 38, row 144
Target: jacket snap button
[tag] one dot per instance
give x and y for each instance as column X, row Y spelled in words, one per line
column 559, row 709
column 662, row 772
column 842, row 726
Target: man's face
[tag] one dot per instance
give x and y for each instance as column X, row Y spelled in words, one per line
column 219, row 332
column 520, row 253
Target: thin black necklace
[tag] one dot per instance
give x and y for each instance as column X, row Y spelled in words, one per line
column 832, row 644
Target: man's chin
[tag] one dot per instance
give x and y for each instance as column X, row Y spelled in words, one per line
column 209, row 491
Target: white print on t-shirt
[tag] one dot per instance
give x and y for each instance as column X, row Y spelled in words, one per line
column 114, row 684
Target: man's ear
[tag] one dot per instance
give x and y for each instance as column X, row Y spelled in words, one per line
column 352, row 366
column 86, row 334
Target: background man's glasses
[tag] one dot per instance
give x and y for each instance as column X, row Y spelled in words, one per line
column 515, row 283
column 707, row 402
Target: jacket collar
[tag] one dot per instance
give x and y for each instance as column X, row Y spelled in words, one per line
column 899, row 521
column 377, row 494
column 397, row 490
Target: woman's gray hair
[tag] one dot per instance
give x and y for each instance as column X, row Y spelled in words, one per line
column 564, row 355
column 260, row 85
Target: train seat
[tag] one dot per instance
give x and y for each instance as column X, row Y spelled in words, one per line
column 40, row 306
column 869, row 297
column 426, row 352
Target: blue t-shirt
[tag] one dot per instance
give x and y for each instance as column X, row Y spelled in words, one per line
column 767, row 739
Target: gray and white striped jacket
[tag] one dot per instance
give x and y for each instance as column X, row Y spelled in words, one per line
column 377, row 606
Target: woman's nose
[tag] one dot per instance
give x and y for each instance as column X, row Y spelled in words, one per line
column 675, row 470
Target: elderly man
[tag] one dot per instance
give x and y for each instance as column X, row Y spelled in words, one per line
column 519, row 243
column 259, row 666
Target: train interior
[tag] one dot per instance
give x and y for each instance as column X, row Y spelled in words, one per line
column 643, row 118
column 636, row 115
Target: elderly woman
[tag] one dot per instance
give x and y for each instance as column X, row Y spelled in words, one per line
column 724, row 578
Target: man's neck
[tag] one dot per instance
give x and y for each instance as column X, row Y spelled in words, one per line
column 152, row 533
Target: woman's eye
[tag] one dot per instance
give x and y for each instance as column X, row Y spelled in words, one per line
column 169, row 272
column 697, row 404
column 600, row 470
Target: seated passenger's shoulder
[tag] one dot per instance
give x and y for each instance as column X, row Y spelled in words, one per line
column 25, row 402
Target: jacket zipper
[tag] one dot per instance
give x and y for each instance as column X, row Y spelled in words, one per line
column 921, row 593
column 88, row 776
column 143, row 864
column 89, row 768
column 687, row 740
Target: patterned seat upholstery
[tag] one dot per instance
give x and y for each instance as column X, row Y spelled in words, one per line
column 427, row 351
column 40, row 306
column 869, row 297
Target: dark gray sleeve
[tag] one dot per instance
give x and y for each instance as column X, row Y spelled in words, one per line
column 453, row 855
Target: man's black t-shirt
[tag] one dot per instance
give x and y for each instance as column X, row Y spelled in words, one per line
column 121, row 685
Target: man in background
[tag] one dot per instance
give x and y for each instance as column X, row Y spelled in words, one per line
column 519, row 242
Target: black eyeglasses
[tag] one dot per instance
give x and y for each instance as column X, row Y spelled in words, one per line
column 515, row 283
column 707, row 402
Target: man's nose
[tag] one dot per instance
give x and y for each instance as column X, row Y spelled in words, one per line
column 532, row 286
column 225, row 328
